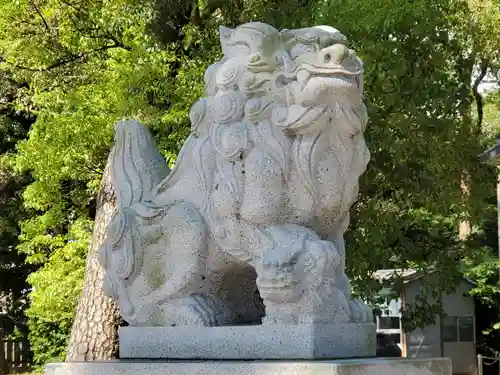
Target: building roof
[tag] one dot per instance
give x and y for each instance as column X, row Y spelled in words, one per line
column 387, row 274
column 492, row 154
column 407, row 275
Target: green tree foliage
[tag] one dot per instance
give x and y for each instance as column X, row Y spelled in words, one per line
column 420, row 62
column 484, row 264
column 14, row 125
column 89, row 63
column 491, row 117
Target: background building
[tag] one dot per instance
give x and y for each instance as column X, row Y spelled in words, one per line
column 453, row 336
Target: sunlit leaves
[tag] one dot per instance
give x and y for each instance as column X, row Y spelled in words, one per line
column 56, row 284
column 418, row 74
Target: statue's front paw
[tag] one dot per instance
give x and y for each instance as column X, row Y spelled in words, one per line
column 360, row 312
column 357, row 315
column 270, row 320
column 369, row 313
column 310, row 319
column 281, row 315
column 189, row 316
column 189, row 311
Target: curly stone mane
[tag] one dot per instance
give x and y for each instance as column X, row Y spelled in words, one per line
column 254, row 110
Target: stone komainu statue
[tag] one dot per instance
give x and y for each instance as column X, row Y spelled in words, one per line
column 249, row 224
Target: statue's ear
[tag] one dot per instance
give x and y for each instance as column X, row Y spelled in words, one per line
column 224, row 33
column 225, row 41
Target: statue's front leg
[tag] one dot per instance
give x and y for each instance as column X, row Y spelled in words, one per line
column 359, row 311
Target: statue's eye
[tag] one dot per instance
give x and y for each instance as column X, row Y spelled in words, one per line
column 282, row 81
column 294, row 260
column 328, row 57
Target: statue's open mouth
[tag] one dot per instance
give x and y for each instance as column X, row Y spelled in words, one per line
column 319, row 91
column 307, row 74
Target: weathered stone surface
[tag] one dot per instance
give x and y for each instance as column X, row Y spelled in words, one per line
column 431, row 366
column 248, row 227
column 272, row 341
column 259, row 198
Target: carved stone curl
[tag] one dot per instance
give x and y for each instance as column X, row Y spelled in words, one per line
column 259, row 198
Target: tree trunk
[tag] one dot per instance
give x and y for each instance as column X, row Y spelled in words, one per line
column 464, row 226
column 94, row 335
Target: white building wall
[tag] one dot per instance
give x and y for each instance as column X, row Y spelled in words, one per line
column 462, row 354
column 428, row 343
column 421, row 342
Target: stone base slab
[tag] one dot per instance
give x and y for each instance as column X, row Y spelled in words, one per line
column 375, row 366
column 260, row 342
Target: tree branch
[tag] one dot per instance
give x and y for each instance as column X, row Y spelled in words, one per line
column 195, row 17
column 41, row 16
column 74, row 57
column 477, row 96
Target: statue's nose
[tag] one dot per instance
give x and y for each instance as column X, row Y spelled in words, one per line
column 335, row 54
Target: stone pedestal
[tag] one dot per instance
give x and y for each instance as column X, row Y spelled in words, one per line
column 269, row 342
column 378, row 366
